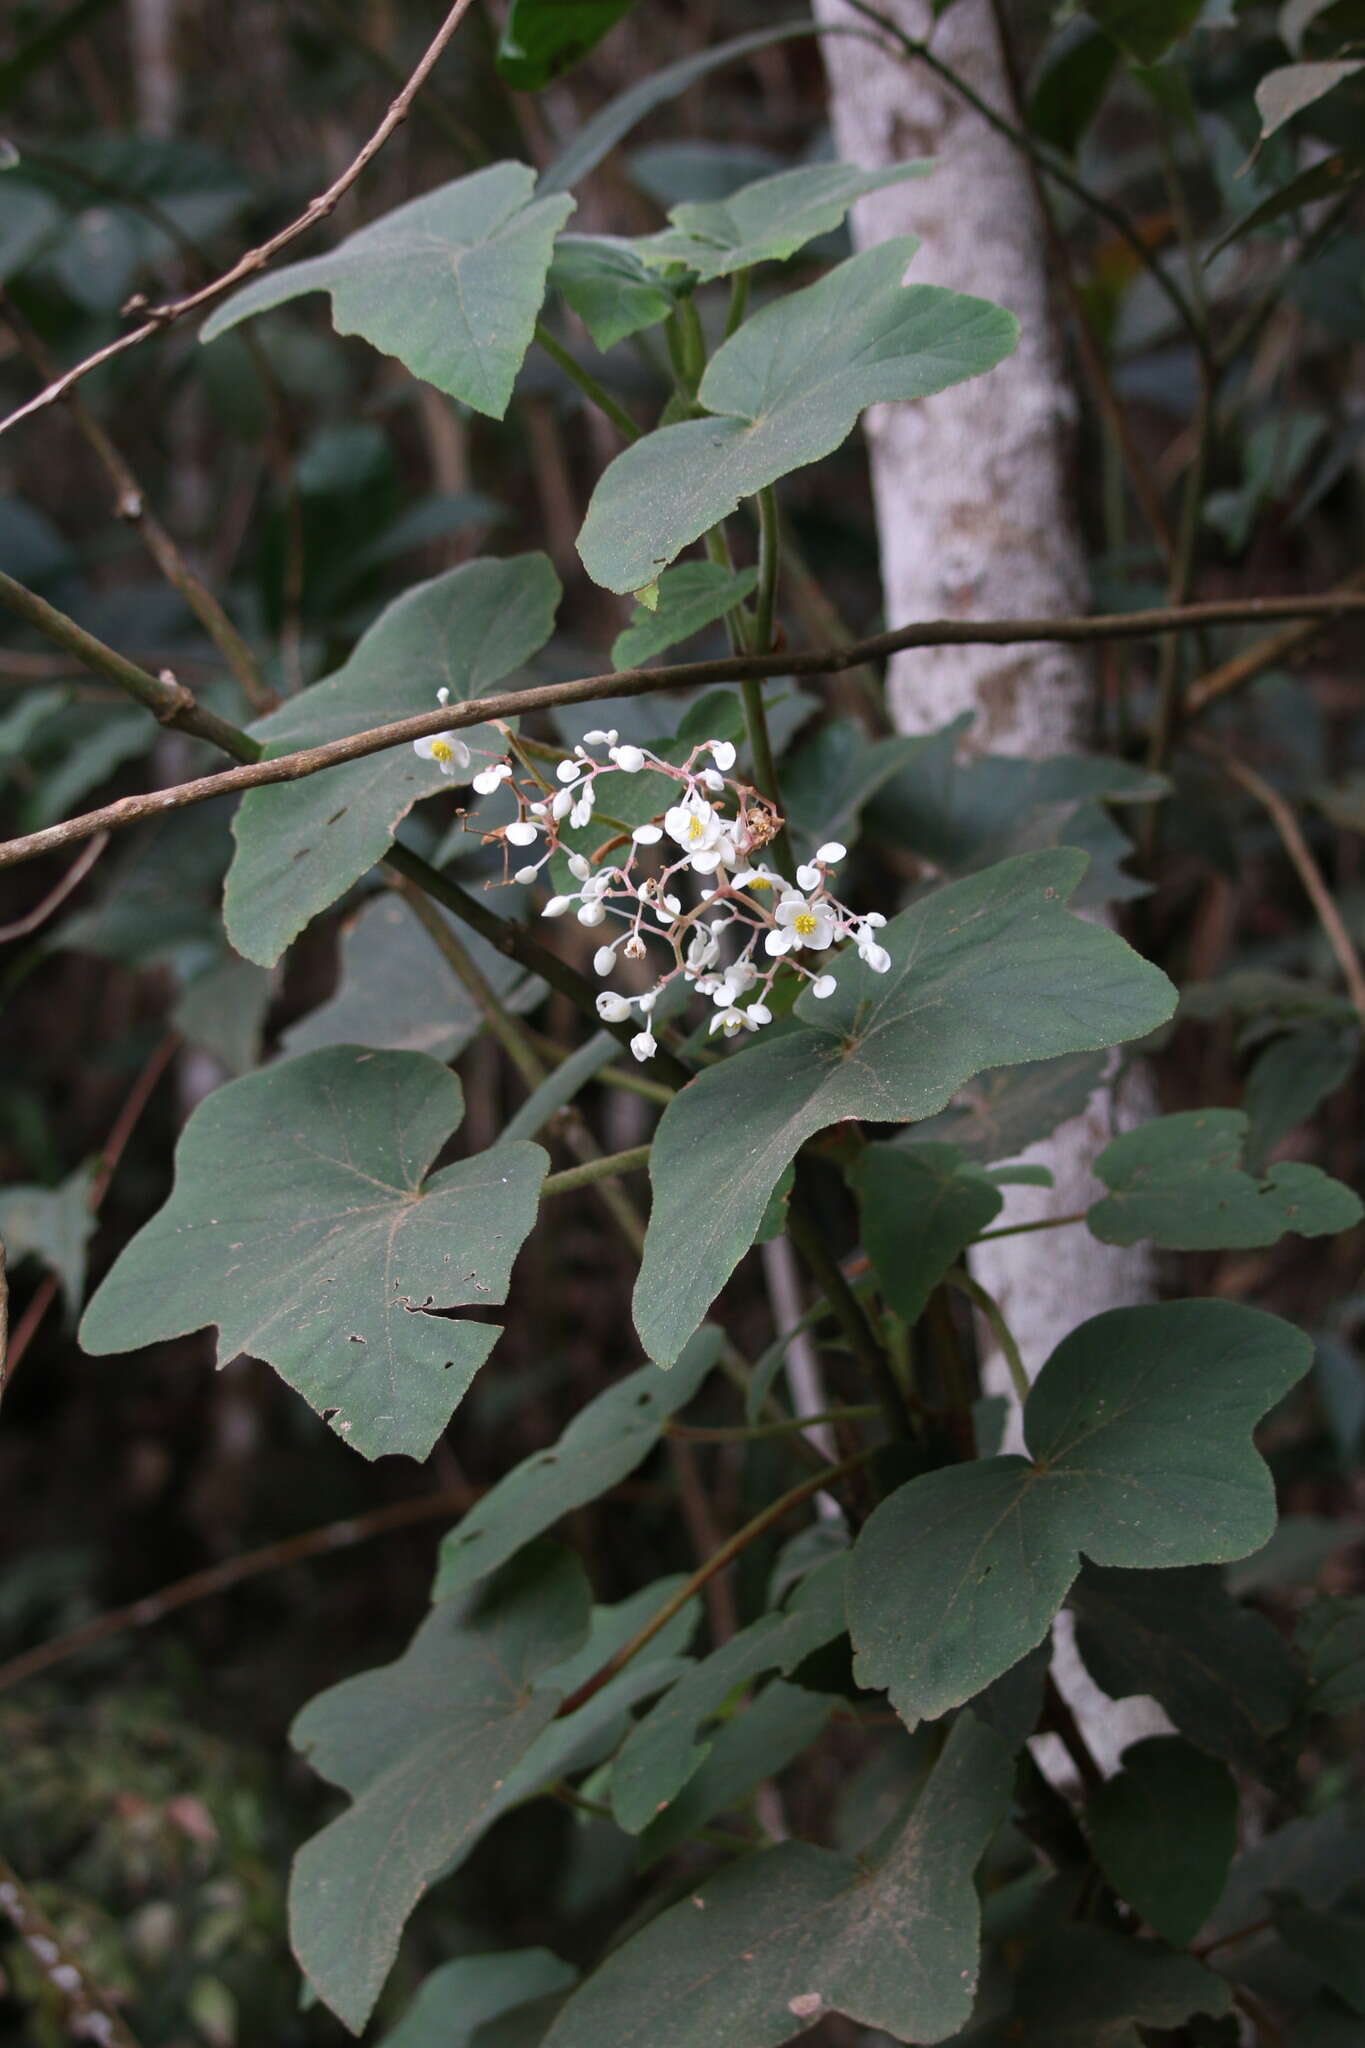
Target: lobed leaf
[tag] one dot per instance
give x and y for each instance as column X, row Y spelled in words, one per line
column 451, row 283
column 1179, row 1181
column 765, row 1949
column 986, row 972
column 783, row 391
column 768, row 220
column 422, row 1746
column 1139, row 1428
column 305, row 1222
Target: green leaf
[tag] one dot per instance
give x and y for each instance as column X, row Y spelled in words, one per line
column 769, row 220
column 395, row 992
column 1084, row 1987
column 53, row 1226
column 665, row 1749
column 921, row 1206
column 693, row 595
column 1322, row 180
column 763, row 1950
column 301, row 845
column 455, row 2000
column 1145, row 29
column 1317, row 1857
column 1179, row 1181
column 986, row 971
column 605, row 1441
column 760, row 1741
column 1331, row 1635
column 1224, row 1675
column 543, row 38
column 450, row 283
column 612, row 291
column 305, row 1224
column 422, row 1746
column 785, row 390
column 1140, row 1429
column 1001, row 1114
column 1164, row 1831
column 1285, row 92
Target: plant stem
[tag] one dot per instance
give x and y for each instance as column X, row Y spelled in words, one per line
column 596, row 393
column 611, row 1164
column 1000, row 1329
column 739, row 302
column 763, row 1521
column 1042, row 1223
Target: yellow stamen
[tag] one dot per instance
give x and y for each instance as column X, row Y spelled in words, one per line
column 804, row 924
column 441, row 750
column 758, row 882
column 696, row 828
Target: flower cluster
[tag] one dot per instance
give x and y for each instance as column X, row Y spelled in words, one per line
column 689, row 883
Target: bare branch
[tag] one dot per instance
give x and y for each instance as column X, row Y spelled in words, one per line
column 159, row 317
column 74, row 876
column 175, row 705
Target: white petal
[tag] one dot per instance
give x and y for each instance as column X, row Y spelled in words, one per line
column 591, row 913
column 723, row 754
column 486, row 781
column 595, row 738
column 526, row 875
column 561, row 804
column 823, row 985
column 643, row 1045
column 778, row 943
column 521, row 832
column 443, row 696
column 647, row 835
column 557, row 906
column 831, row 852
column 611, row 1008
column 569, row 771
column 579, row 868
column 808, row 878
column 628, row 759
column 603, row 960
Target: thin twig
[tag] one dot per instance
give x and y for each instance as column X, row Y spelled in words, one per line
column 989, row 1307
column 53, row 901
column 728, row 1552
column 175, row 705
column 612, row 1164
column 163, row 316
column 89, row 2013
column 1305, row 866
column 1264, row 654
column 218, row 1578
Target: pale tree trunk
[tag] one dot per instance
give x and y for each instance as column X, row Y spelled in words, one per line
column 976, row 516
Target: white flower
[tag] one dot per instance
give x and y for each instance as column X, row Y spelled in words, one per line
column 874, row 921
column 876, row 957
column 634, row 948
column 831, row 852
column 488, row 779
column 758, row 879
column 600, row 739
column 557, row 906
column 808, row 878
column 693, row 823
column 595, row 887
column 560, row 805
column 522, row 833
column 731, row 1021
column 703, row 951
column 579, row 868
column 611, row 1008
column 581, row 814
column 756, row 1014
column 823, row 986
column 591, row 912
column 709, row 779
column 629, row 760
column 526, row 875
column 569, row 771
column 643, row 1045
column 806, row 924
column 603, row 960
column 446, row 749
column 647, row 835
column 723, row 754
